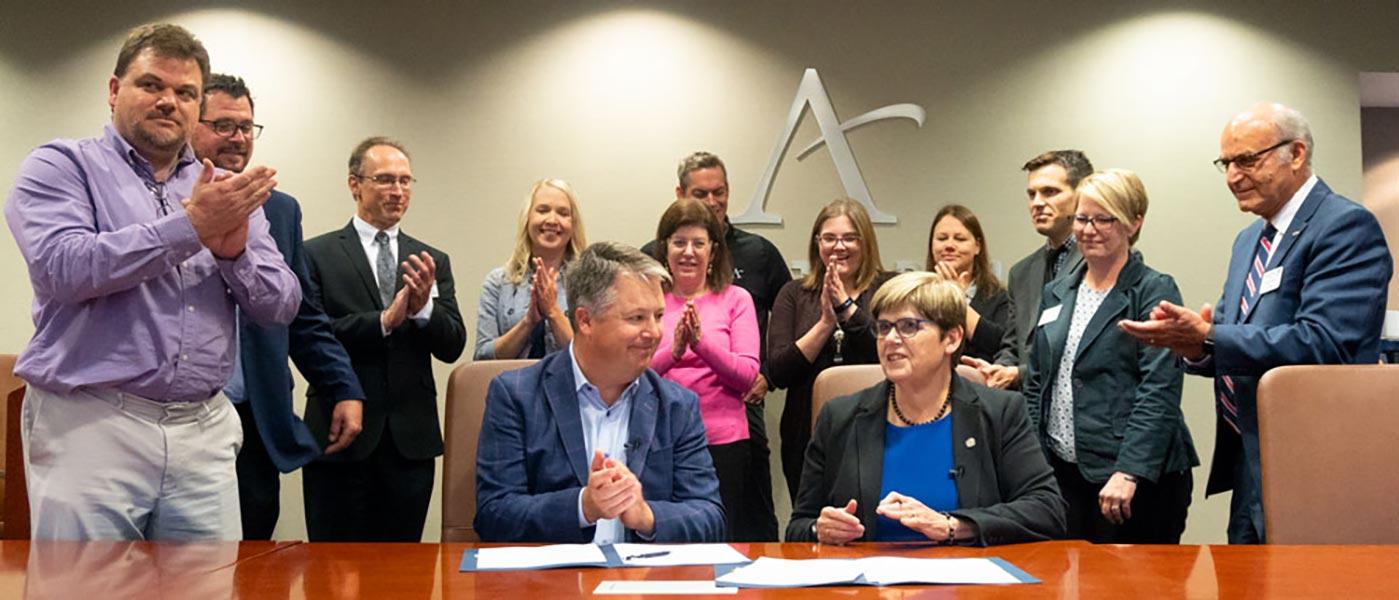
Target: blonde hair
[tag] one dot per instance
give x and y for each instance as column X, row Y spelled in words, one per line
column 937, row 299
column 1121, row 193
column 519, row 263
column 870, row 264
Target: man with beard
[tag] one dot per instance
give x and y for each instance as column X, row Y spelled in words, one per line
column 140, row 257
column 274, row 440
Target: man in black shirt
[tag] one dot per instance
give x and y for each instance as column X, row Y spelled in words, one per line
column 760, row 269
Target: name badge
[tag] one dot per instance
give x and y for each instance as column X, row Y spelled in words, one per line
column 1271, row 280
column 1049, row 315
column 433, row 292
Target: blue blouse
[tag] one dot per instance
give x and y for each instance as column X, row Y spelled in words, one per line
column 917, row 463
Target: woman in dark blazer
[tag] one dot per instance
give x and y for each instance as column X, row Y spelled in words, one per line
column 925, row 455
column 1107, row 407
column 822, row 319
column 957, row 250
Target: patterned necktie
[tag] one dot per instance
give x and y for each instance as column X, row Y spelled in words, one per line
column 384, row 268
column 1253, row 283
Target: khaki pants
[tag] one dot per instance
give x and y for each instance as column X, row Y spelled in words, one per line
column 105, row 465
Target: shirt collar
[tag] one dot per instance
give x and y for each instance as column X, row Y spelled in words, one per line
column 1283, row 219
column 138, row 163
column 367, row 231
column 1069, row 242
column 580, row 380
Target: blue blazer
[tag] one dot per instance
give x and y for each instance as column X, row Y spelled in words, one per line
column 530, row 463
column 308, row 341
column 1328, row 309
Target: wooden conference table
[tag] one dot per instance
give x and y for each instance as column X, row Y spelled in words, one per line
column 98, row 571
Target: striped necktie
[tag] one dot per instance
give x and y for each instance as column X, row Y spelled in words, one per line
column 1253, row 283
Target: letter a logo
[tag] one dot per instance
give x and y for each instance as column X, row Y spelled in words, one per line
column 812, row 92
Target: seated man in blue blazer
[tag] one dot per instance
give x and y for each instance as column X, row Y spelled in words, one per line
column 589, row 444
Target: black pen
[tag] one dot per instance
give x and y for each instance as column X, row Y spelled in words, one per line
column 649, row 555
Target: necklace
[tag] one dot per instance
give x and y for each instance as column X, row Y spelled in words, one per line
column 894, row 402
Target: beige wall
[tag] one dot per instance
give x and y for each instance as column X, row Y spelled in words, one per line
column 490, row 97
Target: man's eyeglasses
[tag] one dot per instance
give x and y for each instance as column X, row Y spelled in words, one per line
column 829, row 240
column 1098, row 222
column 387, row 180
column 1246, row 162
column 907, row 327
column 226, row 127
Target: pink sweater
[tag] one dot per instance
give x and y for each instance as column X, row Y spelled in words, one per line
column 723, row 369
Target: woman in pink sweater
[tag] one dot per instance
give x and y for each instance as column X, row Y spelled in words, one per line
column 710, row 344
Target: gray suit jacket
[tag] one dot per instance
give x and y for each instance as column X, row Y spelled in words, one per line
column 1004, row 484
column 1026, row 287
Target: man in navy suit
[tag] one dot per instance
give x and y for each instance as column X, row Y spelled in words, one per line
column 589, row 444
column 274, row 439
column 1306, row 285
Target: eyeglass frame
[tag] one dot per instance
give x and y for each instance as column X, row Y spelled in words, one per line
column 896, row 326
column 853, row 239
column 405, row 181
column 1248, row 161
column 1098, row 222
column 249, row 130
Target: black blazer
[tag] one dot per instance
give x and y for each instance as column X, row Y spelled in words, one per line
column 1005, row 486
column 1126, row 394
column 395, row 371
column 995, row 320
column 1025, row 286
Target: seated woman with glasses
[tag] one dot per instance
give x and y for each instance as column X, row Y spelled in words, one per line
column 523, row 304
column 1107, row 407
column 924, row 455
column 709, row 344
column 821, row 320
column 957, row 251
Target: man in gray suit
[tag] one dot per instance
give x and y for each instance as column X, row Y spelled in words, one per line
column 1053, row 200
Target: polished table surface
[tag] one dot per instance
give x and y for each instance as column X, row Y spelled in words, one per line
column 101, row 570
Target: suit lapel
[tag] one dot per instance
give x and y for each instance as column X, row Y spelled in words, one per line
column 966, row 435
column 560, row 392
column 1062, row 295
column 1110, row 311
column 354, row 253
column 869, row 448
column 641, row 429
column 1288, row 239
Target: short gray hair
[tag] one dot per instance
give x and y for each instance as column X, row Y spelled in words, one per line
column 591, row 280
column 1293, row 126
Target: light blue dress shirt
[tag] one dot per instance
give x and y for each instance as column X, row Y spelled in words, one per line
column 605, row 428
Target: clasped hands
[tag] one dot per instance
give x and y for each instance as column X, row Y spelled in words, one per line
column 840, row 525
column 687, row 331
column 543, row 293
column 833, row 294
column 613, row 492
column 419, row 273
column 220, row 204
column 1172, row 326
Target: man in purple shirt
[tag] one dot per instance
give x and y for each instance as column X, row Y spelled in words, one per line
column 138, row 256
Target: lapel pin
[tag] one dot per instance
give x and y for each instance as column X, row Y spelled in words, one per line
column 971, row 442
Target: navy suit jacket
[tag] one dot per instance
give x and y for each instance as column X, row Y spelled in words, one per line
column 308, row 341
column 1328, row 309
column 530, row 463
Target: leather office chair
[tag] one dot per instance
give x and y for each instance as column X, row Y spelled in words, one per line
column 1330, row 472
column 841, row 381
column 845, row 380
column 466, row 403
column 14, row 496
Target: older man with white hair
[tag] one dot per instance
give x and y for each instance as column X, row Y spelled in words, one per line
column 1307, row 284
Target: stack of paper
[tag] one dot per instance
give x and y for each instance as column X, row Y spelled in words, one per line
column 780, row 573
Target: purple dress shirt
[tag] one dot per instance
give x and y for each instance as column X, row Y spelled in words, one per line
column 125, row 296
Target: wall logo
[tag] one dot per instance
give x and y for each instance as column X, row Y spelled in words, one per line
column 812, row 92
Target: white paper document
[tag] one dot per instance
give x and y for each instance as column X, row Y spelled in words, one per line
column 672, row 555
column 540, row 557
column 685, row 588
column 780, row 573
column 896, row 570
